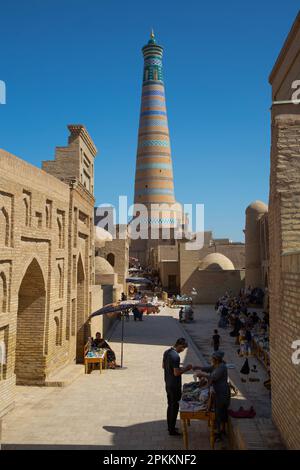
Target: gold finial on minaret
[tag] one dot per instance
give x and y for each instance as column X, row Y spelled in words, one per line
column 152, row 34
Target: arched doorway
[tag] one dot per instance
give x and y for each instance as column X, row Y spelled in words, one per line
column 80, row 312
column 30, row 361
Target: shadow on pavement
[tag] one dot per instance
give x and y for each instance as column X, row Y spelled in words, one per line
column 143, row 436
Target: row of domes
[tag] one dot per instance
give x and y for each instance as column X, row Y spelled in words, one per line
column 211, row 262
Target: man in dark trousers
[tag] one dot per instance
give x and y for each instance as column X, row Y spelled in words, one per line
column 173, row 373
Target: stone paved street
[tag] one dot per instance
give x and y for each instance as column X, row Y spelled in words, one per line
column 121, row 409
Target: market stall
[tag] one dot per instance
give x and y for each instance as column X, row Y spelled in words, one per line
column 94, row 356
column 179, row 301
column 123, row 307
column 197, row 404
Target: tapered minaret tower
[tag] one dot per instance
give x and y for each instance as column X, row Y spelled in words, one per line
column 154, row 173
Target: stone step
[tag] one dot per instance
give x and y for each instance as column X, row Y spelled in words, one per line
column 65, row 376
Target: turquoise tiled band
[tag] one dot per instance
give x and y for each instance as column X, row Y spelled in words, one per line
column 162, row 220
column 153, row 113
column 154, row 123
column 159, row 166
column 154, row 143
column 160, row 103
column 153, row 93
column 154, row 191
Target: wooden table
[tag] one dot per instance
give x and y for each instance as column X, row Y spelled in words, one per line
column 102, row 359
column 186, row 417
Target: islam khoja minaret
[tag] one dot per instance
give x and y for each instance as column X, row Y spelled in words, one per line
column 154, row 172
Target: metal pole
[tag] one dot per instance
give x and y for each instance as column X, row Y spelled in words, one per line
column 122, row 338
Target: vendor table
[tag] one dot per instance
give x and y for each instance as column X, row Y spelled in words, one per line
column 186, row 417
column 174, row 303
column 101, row 359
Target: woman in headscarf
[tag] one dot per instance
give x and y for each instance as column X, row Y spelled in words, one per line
column 217, row 376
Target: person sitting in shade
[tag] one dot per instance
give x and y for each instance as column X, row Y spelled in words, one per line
column 137, row 315
column 100, row 343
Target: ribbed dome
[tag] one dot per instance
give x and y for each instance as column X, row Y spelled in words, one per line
column 216, row 262
column 257, row 206
column 102, row 266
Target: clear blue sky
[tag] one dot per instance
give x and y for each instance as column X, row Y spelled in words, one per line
column 74, row 61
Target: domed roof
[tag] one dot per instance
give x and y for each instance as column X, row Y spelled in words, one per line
column 257, row 206
column 102, row 266
column 216, row 262
column 101, row 236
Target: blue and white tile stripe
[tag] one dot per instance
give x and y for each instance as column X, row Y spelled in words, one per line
column 162, row 220
column 153, row 113
column 153, row 62
column 151, row 102
column 154, row 143
column 142, row 157
column 154, row 166
column 154, row 191
column 153, row 93
column 154, row 123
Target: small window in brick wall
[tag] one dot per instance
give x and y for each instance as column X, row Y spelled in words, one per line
column 4, row 227
column 57, row 331
column 26, row 212
column 48, row 213
column 60, row 281
column 73, row 318
column 38, row 216
column 3, row 293
column 61, row 228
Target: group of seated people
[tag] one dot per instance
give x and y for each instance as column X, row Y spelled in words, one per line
column 252, row 295
column 234, row 312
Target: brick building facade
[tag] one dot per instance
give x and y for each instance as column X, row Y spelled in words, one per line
column 46, row 262
column 284, row 228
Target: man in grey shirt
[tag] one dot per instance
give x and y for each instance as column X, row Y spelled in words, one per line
column 173, row 373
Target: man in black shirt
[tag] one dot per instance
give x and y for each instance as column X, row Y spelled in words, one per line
column 173, row 373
